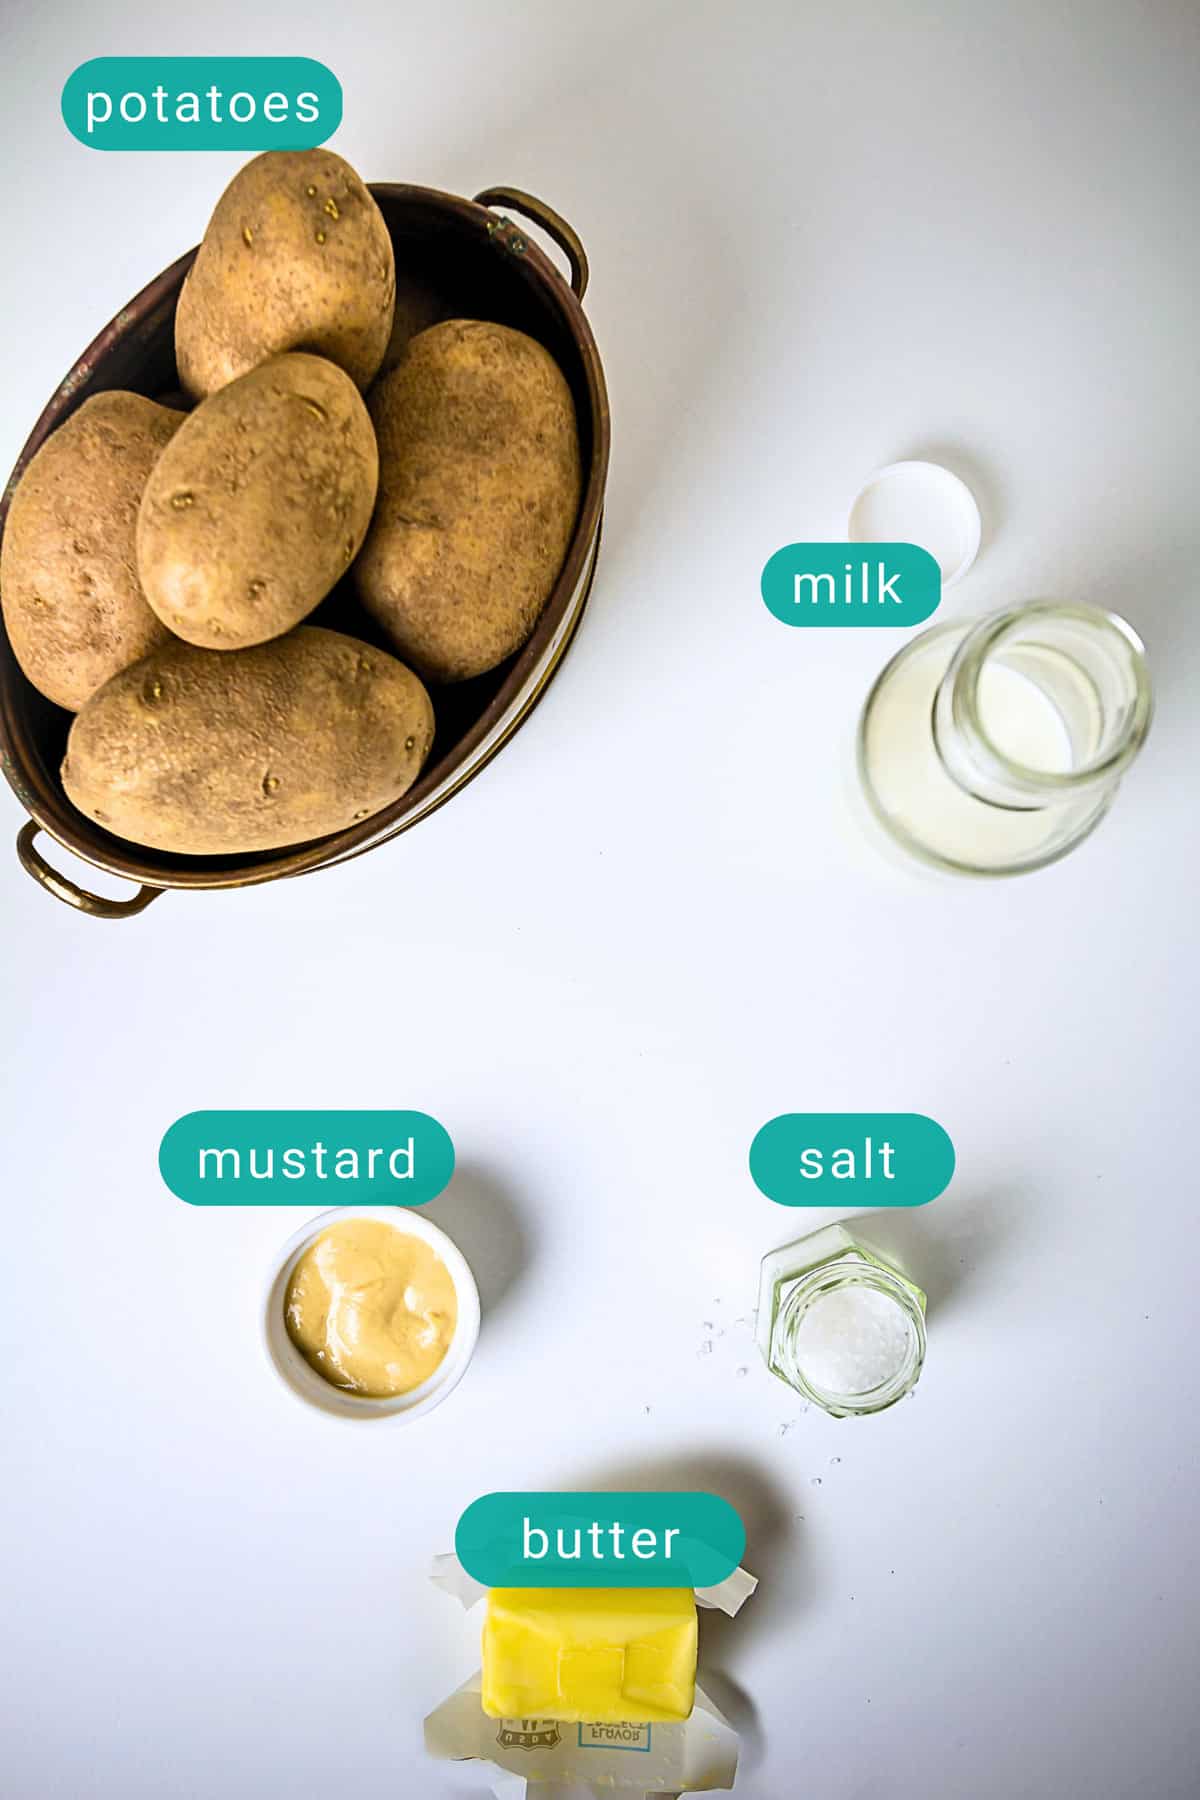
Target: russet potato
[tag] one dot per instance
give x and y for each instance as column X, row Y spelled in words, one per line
column 296, row 257
column 73, row 606
column 212, row 752
column 259, row 504
column 479, row 486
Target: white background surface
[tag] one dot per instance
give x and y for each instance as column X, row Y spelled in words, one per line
column 822, row 238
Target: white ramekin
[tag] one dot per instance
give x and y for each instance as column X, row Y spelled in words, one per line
column 303, row 1379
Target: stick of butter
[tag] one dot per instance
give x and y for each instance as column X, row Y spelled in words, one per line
column 590, row 1655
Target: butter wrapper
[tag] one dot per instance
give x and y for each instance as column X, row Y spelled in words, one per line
column 549, row 1760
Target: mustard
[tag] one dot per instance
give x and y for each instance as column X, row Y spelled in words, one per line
column 371, row 1307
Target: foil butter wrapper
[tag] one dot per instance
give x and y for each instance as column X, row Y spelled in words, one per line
column 550, row 1760
column 554, row 1761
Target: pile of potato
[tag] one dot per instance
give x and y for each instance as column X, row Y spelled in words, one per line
column 158, row 563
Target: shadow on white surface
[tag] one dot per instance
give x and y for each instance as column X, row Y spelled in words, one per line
column 952, row 1248
column 478, row 1212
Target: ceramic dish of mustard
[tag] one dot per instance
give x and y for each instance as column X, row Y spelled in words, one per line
column 372, row 1312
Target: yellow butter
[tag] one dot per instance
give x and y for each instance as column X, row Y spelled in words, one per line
column 590, row 1655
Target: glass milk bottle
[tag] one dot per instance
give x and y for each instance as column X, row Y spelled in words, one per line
column 839, row 1324
column 994, row 747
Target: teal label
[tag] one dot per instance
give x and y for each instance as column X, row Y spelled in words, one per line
column 600, row 1540
column 306, row 1158
column 852, row 584
column 202, row 103
column 852, row 1159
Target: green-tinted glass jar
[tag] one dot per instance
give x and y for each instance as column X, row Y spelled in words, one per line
column 994, row 746
column 839, row 1325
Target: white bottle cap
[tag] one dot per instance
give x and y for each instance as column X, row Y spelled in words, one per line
column 920, row 503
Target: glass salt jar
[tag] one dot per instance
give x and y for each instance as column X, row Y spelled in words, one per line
column 995, row 746
column 839, row 1324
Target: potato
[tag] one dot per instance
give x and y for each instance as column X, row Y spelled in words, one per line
column 207, row 752
column 479, row 484
column 259, row 503
column 295, row 257
column 73, row 606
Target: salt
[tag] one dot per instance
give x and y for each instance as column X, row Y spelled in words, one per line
column 839, row 1325
column 852, row 1340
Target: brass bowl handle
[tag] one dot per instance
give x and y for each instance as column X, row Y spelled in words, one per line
column 35, row 864
column 552, row 223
